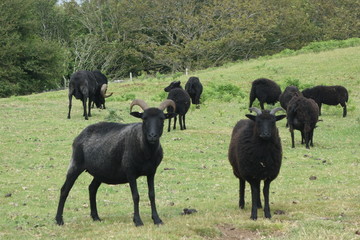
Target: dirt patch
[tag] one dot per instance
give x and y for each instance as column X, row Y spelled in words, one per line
column 230, row 232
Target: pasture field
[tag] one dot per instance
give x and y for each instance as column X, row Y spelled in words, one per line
column 316, row 195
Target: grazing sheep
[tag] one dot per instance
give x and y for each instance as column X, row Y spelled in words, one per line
column 115, row 153
column 287, row 95
column 83, row 85
column 182, row 101
column 255, row 154
column 302, row 115
column 330, row 95
column 265, row 90
column 102, row 82
column 194, row 88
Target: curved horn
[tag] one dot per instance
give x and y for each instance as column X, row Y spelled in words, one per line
column 166, row 104
column 139, row 102
column 258, row 111
column 273, row 111
column 103, row 91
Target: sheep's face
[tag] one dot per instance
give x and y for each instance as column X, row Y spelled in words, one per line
column 175, row 84
column 265, row 124
column 153, row 123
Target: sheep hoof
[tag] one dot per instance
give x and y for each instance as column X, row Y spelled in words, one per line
column 138, row 223
column 158, row 223
column 59, row 221
column 96, row 218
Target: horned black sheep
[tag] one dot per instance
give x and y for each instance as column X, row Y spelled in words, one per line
column 194, row 88
column 182, row 102
column 115, row 153
column 330, row 95
column 255, row 154
column 102, row 83
column 265, row 90
column 302, row 115
column 84, row 86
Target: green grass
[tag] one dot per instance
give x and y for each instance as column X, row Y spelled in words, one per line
column 35, row 148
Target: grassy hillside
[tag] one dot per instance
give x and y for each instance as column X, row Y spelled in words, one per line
column 35, row 148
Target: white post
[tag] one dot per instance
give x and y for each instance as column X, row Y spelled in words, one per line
column 131, row 76
column 64, row 81
column 186, row 71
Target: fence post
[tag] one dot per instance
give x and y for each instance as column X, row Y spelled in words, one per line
column 65, row 82
column 186, row 71
column 131, row 78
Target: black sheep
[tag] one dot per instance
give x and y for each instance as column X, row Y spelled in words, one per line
column 255, row 154
column 182, row 102
column 194, row 88
column 302, row 115
column 330, row 95
column 83, row 85
column 287, row 95
column 115, row 153
column 102, row 83
column 265, row 90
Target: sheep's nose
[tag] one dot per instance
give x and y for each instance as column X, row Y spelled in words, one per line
column 265, row 135
column 153, row 135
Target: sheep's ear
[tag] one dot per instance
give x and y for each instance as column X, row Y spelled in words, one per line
column 279, row 117
column 170, row 115
column 251, row 117
column 136, row 114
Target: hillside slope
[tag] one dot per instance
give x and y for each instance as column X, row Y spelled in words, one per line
column 316, row 195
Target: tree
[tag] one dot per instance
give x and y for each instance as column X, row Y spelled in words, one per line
column 28, row 63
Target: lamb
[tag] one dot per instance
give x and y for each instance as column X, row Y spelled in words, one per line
column 255, row 154
column 265, row 90
column 330, row 95
column 115, row 153
column 182, row 102
column 302, row 115
column 194, row 88
column 84, row 86
column 287, row 95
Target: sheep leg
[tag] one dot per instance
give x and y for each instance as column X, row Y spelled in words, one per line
column 255, row 192
column 311, row 137
column 89, row 106
column 292, row 137
column 259, row 200
column 242, row 193
column 70, row 105
column 154, row 215
column 84, row 106
column 184, row 122
column 181, row 122
column 136, row 198
column 93, row 187
column 169, row 125
column 344, row 109
column 262, row 105
column 71, row 177
column 175, row 118
column 319, row 104
column 302, row 137
column 307, row 139
column 266, row 190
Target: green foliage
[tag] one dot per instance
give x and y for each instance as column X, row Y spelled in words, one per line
column 160, row 97
column 122, row 98
column 222, row 92
column 113, row 116
column 28, row 63
column 43, row 40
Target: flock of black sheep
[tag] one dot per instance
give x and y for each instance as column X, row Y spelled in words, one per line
column 116, row 153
